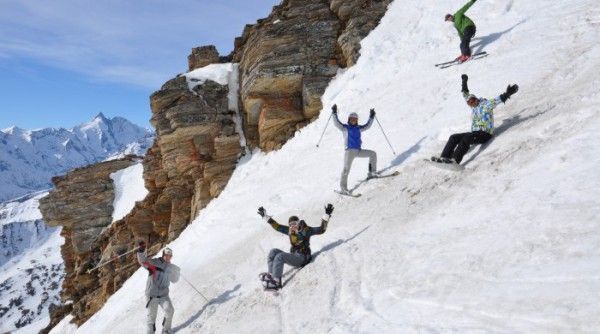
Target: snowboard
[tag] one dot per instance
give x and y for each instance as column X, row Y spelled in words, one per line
column 442, row 165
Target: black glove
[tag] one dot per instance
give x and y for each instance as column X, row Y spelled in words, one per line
column 372, row 113
column 329, row 209
column 334, row 109
column 465, row 88
column 262, row 212
column 510, row 90
column 142, row 246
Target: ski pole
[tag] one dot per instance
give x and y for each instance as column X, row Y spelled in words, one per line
column 193, row 287
column 386, row 138
column 102, row 264
column 326, row 124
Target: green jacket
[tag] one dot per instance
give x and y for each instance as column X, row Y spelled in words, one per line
column 461, row 21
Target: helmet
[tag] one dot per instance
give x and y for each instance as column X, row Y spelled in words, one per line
column 167, row 251
column 293, row 220
column 448, row 17
column 353, row 115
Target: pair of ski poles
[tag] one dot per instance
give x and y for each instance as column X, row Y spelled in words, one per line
column 102, row 264
column 381, row 127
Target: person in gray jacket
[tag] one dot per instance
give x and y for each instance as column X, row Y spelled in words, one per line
column 353, row 142
column 161, row 272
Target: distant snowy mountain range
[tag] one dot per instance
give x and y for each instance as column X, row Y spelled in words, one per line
column 30, row 158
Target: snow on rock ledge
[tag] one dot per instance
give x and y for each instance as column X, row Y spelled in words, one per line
column 129, row 188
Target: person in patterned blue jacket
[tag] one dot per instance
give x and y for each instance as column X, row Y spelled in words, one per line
column 353, row 142
column 482, row 126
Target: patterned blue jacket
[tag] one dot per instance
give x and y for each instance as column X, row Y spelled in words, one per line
column 483, row 114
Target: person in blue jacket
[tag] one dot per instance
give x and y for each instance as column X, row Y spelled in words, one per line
column 352, row 139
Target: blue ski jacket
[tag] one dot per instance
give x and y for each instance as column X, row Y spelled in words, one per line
column 352, row 132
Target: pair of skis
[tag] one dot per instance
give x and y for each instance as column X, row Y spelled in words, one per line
column 474, row 56
column 381, row 176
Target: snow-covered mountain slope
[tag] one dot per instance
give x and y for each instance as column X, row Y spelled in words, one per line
column 510, row 245
column 31, row 267
column 30, row 158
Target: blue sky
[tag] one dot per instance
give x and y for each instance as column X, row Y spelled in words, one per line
column 62, row 62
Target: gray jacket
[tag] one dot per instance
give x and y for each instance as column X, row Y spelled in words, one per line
column 160, row 274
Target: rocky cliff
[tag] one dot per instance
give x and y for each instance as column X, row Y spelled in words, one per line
column 285, row 62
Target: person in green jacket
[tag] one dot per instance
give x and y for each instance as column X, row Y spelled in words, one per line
column 466, row 30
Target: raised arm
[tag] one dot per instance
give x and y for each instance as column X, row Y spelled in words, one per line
column 142, row 258
column 276, row 226
column 336, row 120
column 464, row 9
column 324, row 221
column 465, row 87
column 510, row 90
column 367, row 125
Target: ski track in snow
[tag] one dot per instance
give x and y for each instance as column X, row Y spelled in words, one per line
column 509, row 245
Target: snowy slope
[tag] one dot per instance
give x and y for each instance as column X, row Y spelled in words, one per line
column 30, row 158
column 511, row 244
column 31, row 267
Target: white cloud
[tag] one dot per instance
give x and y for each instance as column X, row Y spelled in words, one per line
column 134, row 42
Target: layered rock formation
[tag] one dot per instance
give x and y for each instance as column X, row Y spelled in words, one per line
column 82, row 203
column 287, row 60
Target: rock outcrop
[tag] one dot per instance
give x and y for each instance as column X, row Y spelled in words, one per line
column 287, row 60
column 82, row 203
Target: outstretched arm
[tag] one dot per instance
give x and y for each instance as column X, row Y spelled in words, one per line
column 336, row 120
column 277, row 227
column 324, row 221
column 464, row 9
column 142, row 258
column 367, row 125
column 510, row 90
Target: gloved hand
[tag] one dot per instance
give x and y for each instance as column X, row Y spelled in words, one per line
column 142, row 246
column 372, row 113
column 510, row 90
column 465, row 88
column 329, row 209
column 334, row 109
column 262, row 212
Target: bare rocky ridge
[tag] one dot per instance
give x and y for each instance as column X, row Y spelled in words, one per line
column 285, row 63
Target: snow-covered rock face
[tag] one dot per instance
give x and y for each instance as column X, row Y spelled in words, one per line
column 31, row 268
column 511, row 244
column 30, row 158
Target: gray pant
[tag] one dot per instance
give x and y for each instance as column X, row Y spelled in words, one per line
column 277, row 258
column 167, row 306
column 349, row 157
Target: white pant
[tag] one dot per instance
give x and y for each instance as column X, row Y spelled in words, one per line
column 167, row 306
column 349, row 157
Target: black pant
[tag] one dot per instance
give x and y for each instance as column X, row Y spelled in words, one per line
column 458, row 144
column 465, row 41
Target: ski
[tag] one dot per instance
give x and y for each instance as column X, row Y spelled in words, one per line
column 347, row 194
column 447, row 166
column 475, row 56
column 396, row 173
